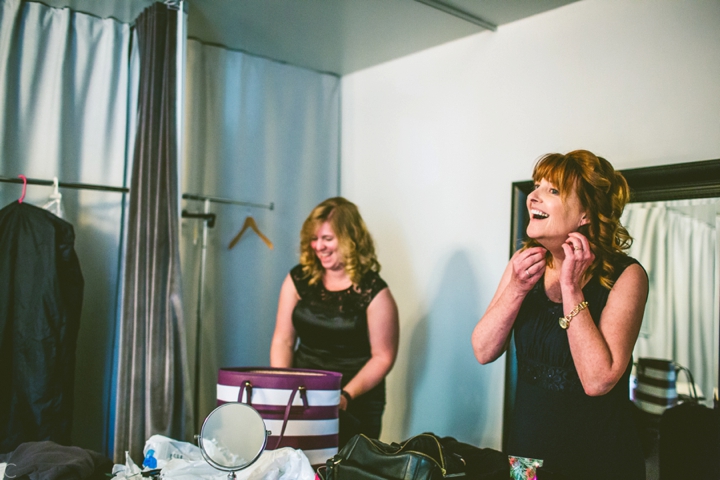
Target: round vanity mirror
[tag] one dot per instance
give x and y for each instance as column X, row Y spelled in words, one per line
column 232, row 437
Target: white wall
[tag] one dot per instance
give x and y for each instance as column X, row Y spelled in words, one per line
column 432, row 142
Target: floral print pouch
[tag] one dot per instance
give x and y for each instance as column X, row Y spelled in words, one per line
column 522, row 468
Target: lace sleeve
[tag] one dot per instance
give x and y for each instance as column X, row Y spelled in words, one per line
column 301, row 284
column 371, row 285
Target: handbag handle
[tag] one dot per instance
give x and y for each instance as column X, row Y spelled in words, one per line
column 303, row 395
column 680, row 368
column 246, row 385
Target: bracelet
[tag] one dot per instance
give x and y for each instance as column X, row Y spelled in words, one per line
column 347, row 396
column 565, row 321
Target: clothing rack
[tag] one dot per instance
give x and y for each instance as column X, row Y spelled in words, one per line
column 208, row 222
column 79, row 186
column 87, row 186
column 192, row 196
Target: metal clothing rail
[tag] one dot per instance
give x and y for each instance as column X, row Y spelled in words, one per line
column 208, row 222
column 192, row 196
column 79, row 186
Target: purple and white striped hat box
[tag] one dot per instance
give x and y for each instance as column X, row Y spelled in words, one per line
column 312, row 428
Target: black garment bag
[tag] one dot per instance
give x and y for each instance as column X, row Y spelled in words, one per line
column 41, row 289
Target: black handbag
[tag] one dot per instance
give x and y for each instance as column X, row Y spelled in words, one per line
column 421, row 457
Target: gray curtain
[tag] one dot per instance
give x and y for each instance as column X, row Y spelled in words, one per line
column 67, row 81
column 152, row 377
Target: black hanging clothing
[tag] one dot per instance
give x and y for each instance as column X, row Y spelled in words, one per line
column 576, row 435
column 41, row 290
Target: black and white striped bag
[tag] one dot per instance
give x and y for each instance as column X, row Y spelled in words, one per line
column 656, row 389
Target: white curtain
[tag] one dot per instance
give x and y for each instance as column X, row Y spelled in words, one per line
column 261, row 131
column 67, row 97
column 679, row 251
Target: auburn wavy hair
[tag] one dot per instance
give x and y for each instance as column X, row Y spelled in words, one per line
column 354, row 241
column 603, row 193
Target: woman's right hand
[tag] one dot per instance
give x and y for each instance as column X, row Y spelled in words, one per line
column 528, row 266
column 491, row 335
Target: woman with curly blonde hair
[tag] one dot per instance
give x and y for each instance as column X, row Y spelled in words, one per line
column 574, row 301
column 354, row 240
column 343, row 314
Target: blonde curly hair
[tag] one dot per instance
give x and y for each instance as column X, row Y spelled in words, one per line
column 354, row 241
column 603, row 193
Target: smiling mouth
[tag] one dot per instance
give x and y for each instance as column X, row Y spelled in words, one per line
column 538, row 215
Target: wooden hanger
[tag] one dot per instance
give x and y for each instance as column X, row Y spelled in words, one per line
column 250, row 223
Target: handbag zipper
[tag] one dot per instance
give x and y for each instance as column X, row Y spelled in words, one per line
column 442, row 469
column 440, row 454
column 440, row 465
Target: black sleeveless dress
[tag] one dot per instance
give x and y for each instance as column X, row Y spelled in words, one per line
column 579, row 436
column 333, row 333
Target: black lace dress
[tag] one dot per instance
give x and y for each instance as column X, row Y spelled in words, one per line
column 579, row 436
column 333, row 333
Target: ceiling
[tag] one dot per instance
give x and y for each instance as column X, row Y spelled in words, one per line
column 334, row 36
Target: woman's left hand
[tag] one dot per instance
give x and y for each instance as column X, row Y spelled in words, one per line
column 578, row 258
column 383, row 331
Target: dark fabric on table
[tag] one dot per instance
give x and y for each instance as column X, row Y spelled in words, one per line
column 333, row 333
column 576, row 435
column 689, row 442
column 50, row 461
column 41, row 293
column 479, row 463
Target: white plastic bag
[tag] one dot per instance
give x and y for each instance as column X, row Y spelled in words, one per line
column 282, row 464
column 184, row 461
column 179, row 469
column 160, row 449
column 126, row 471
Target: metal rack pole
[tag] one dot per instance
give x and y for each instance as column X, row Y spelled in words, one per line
column 79, row 186
column 201, row 284
column 192, row 196
column 208, row 221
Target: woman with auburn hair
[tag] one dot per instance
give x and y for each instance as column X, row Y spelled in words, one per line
column 574, row 301
column 341, row 311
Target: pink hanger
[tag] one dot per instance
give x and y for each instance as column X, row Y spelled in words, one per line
column 24, row 179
